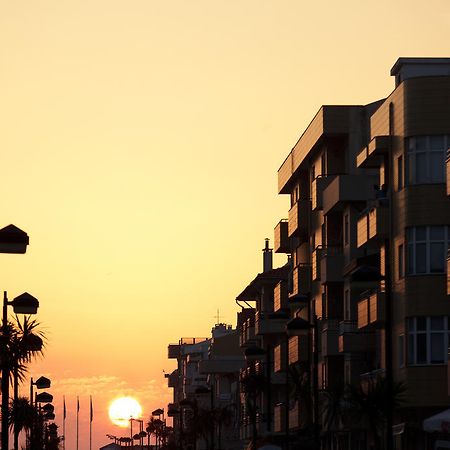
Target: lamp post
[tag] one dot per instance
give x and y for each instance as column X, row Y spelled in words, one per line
column 298, row 327
column 40, row 383
column 23, row 304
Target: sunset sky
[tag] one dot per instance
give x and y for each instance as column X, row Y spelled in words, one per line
column 139, row 148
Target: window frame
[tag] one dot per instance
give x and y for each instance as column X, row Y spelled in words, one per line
column 412, row 342
column 427, row 152
column 412, row 243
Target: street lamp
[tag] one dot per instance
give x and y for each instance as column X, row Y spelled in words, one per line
column 23, row 304
column 13, row 240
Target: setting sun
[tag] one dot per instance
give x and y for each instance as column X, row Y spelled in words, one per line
column 123, row 409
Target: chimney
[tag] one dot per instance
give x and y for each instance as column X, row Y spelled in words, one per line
column 267, row 257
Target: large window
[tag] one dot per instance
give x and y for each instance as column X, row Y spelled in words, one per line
column 426, row 158
column 428, row 340
column 427, row 249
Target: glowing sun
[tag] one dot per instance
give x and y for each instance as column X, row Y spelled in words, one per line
column 123, row 409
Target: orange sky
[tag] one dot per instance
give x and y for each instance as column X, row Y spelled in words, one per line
column 139, row 143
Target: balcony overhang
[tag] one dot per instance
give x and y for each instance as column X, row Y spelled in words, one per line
column 371, row 156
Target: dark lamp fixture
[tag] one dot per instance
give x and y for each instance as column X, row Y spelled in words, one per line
column 25, row 304
column 254, row 353
column 44, row 397
column 297, row 327
column 48, row 408
column 49, row 416
column 13, row 240
column 42, row 383
column 173, row 412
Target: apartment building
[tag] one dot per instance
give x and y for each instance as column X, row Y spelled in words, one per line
column 205, row 407
column 263, row 338
column 368, row 233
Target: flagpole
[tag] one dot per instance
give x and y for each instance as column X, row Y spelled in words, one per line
column 90, row 422
column 78, row 411
column 64, row 422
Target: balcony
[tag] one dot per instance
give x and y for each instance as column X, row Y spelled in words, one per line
column 279, row 414
column 301, row 283
column 317, row 187
column 373, row 224
column 173, row 351
column 371, row 309
column 353, row 341
column 279, row 358
column 280, row 296
column 330, row 338
column 371, row 156
column 270, row 323
column 247, row 336
column 298, row 349
column 298, row 222
column 281, row 243
column 331, row 264
column 220, row 366
column 172, row 378
column 316, row 257
column 294, row 416
column 348, row 188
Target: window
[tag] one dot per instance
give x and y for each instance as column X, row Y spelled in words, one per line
column 428, row 340
column 401, row 258
column 426, row 158
column 427, row 249
column 399, row 173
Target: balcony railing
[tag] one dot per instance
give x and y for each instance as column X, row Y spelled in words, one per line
column 299, row 218
column 331, row 264
column 316, row 257
column 330, row 338
column 301, row 279
column 353, row 341
column 371, row 155
column 317, row 186
column 279, row 358
column 279, row 418
column 371, row 309
column 280, row 296
column 270, row 323
column 348, row 188
column 281, row 242
column 298, row 349
column 247, row 336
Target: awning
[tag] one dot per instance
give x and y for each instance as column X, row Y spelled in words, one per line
column 439, row 422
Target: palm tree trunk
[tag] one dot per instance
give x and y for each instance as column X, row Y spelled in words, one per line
column 16, row 396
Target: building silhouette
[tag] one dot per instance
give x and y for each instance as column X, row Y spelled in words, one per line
column 346, row 345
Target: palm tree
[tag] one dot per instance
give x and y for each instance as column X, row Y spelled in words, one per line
column 369, row 403
column 335, row 410
column 26, row 342
column 253, row 384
